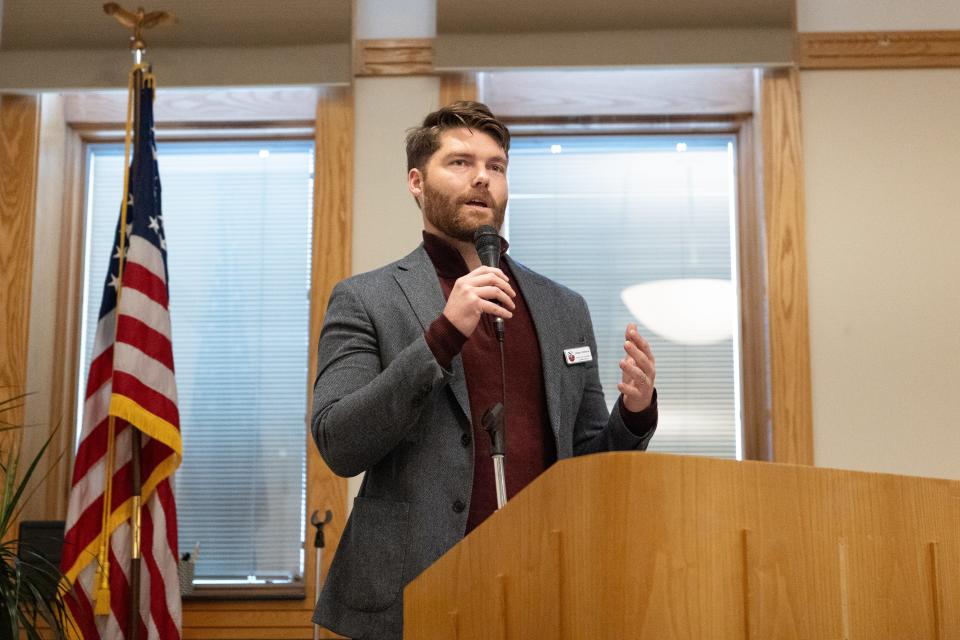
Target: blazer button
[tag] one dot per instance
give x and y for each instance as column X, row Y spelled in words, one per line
column 465, row 439
column 458, row 506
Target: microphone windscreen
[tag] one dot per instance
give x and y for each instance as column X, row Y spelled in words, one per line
column 487, row 241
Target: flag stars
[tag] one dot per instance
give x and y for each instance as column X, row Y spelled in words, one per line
column 155, row 224
column 114, row 282
column 118, row 255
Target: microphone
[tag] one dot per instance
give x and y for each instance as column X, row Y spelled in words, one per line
column 487, row 241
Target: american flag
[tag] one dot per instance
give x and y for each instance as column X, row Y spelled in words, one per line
column 131, row 378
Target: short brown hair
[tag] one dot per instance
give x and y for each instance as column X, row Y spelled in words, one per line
column 423, row 141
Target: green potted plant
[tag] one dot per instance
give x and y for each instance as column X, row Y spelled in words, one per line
column 31, row 587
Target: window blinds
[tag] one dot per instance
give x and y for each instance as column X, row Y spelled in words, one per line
column 238, row 228
column 602, row 213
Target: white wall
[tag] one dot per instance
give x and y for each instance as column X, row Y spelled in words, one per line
column 882, row 153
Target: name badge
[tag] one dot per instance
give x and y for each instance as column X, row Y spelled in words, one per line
column 577, row 355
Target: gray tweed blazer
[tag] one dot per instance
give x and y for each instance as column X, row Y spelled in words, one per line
column 382, row 404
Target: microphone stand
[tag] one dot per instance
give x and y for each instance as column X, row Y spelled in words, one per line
column 493, row 423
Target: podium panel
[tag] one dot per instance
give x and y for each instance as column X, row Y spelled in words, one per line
column 641, row 545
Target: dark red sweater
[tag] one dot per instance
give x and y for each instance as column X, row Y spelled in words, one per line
column 530, row 446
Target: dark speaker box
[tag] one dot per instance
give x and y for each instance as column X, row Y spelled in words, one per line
column 39, row 548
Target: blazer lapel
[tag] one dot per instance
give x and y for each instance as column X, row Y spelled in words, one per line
column 543, row 313
column 418, row 280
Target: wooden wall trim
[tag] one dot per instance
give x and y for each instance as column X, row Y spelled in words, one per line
column 879, row 49
column 754, row 344
column 55, row 307
column 67, row 339
column 457, row 86
column 332, row 262
column 19, row 144
column 393, row 57
column 792, row 422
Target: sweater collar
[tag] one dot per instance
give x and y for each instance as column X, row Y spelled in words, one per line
column 446, row 258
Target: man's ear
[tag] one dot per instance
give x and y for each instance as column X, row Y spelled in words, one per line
column 415, row 183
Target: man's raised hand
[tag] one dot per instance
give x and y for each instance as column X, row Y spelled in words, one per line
column 638, row 371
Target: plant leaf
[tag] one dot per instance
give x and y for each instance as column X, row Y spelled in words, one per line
column 11, row 505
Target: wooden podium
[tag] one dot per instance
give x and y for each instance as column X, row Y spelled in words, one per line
column 641, row 545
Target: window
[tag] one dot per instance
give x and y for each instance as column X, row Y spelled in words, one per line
column 238, row 228
column 642, row 226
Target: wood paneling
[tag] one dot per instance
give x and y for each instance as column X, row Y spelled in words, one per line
column 457, row 86
column 879, row 49
column 19, row 141
column 792, row 422
column 647, row 546
column 393, row 57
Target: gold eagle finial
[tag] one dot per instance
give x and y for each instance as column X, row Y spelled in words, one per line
column 138, row 21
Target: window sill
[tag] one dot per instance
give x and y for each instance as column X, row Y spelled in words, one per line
column 295, row 591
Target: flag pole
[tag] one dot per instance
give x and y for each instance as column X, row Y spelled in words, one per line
column 138, row 78
column 138, row 48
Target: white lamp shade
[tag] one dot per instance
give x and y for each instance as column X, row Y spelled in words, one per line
column 688, row 310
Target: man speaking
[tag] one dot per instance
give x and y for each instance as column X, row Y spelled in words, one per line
column 412, row 367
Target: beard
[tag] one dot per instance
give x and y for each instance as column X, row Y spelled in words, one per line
column 453, row 218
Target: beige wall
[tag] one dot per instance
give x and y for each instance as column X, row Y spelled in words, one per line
column 386, row 220
column 877, row 15
column 882, row 152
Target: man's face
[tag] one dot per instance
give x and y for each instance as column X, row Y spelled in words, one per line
column 463, row 186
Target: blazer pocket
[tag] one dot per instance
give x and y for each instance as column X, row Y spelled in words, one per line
column 367, row 571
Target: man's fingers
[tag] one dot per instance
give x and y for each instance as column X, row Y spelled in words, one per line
column 640, row 358
column 486, row 269
column 494, row 309
column 491, row 293
column 645, row 347
column 640, row 397
column 633, row 335
column 490, row 279
column 633, row 374
column 491, row 270
column 629, row 391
